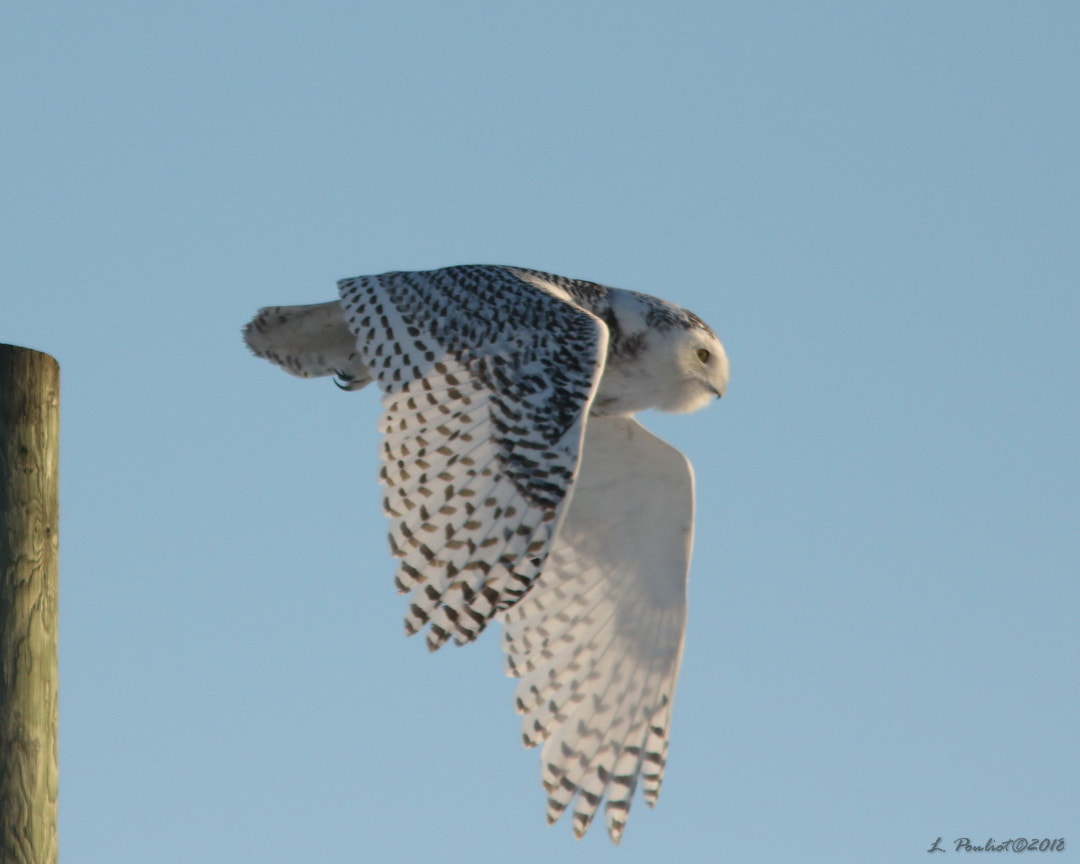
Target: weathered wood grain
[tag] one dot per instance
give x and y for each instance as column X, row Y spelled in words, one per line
column 29, row 446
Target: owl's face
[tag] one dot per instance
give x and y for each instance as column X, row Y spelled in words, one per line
column 696, row 368
column 675, row 364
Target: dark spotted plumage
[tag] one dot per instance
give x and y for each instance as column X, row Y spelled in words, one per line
column 472, row 354
column 519, row 485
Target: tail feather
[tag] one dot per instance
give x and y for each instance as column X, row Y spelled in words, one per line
column 308, row 341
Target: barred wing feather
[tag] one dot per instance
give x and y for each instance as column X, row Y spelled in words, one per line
column 598, row 639
column 484, row 409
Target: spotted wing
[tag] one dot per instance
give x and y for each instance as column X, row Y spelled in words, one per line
column 598, row 639
column 486, row 383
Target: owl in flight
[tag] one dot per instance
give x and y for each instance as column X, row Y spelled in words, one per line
column 519, row 487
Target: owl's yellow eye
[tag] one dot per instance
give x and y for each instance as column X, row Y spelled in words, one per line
column 703, row 355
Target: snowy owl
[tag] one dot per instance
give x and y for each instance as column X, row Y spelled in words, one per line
column 519, row 487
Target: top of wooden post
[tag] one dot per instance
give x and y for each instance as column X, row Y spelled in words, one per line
column 29, row 445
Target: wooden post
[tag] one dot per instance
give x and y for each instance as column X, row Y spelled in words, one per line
column 29, row 438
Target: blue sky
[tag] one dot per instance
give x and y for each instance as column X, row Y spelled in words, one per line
column 875, row 205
